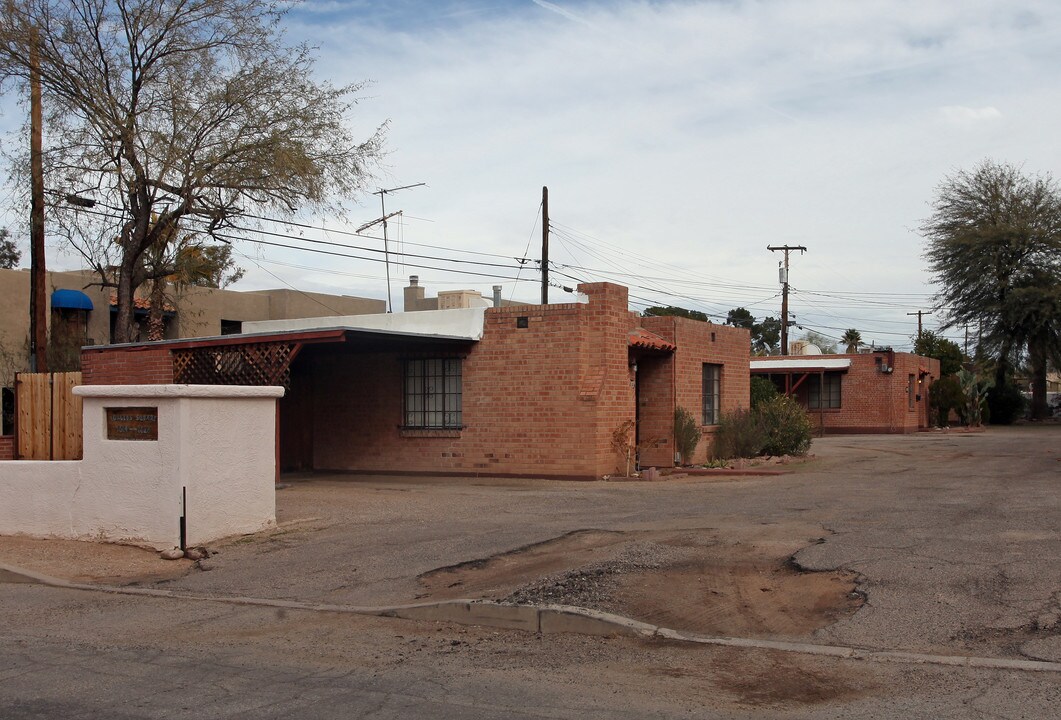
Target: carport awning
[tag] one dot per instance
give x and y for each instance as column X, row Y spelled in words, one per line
column 807, row 364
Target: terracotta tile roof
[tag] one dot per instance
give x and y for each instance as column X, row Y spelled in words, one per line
column 142, row 303
column 641, row 338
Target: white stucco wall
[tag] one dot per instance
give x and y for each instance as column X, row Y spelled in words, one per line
column 216, row 444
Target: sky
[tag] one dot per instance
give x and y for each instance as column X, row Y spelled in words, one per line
column 678, row 140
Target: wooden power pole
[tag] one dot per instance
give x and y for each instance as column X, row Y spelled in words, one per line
column 919, row 313
column 784, row 291
column 38, row 306
column 545, row 245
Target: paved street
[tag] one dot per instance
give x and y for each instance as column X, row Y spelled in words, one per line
column 952, row 539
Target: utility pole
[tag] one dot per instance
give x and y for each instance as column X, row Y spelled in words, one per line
column 783, row 277
column 545, row 245
column 38, row 319
column 383, row 218
column 919, row 313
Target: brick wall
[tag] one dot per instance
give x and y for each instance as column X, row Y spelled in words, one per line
column 7, row 447
column 698, row 343
column 875, row 402
column 542, row 400
column 135, row 365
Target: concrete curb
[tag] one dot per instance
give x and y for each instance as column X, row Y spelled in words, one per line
column 548, row 619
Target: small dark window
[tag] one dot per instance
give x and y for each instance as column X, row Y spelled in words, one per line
column 432, row 395
column 827, row 398
column 7, row 405
column 231, row 327
column 712, row 393
column 522, row 322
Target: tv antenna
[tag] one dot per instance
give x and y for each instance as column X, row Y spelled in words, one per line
column 383, row 193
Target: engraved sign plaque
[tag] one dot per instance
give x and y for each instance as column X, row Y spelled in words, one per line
column 132, row 423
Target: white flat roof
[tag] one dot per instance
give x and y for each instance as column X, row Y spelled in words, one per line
column 810, row 362
column 462, row 323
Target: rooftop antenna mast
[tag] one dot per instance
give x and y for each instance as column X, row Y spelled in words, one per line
column 383, row 219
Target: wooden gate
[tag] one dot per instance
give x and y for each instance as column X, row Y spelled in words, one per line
column 47, row 416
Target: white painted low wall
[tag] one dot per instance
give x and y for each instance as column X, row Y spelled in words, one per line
column 216, row 446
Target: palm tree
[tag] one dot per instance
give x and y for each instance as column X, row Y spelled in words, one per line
column 852, row 338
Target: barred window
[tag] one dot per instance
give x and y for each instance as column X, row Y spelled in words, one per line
column 432, row 397
column 712, row 393
column 827, row 399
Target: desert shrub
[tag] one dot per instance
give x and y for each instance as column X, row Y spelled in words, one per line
column 786, row 427
column 739, row 435
column 946, row 395
column 1005, row 403
column 762, row 390
column 686, row 433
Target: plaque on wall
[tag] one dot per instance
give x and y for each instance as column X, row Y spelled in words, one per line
column 132, row 423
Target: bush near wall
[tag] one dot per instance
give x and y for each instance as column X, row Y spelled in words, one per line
column 777, row 426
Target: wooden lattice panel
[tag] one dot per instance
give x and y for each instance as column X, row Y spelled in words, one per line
column 251, row 364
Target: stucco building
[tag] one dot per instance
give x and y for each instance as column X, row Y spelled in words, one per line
column 80, row 313
column 557, row 390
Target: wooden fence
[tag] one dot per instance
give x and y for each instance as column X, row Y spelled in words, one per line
column 47, row 416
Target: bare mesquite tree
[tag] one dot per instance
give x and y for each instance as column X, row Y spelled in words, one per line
column 178, row 115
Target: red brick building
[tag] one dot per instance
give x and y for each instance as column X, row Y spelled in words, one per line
column 535, row 390
column 878, row 392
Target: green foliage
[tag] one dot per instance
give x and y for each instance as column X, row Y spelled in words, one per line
column 933, row 345
column 851, row 339
column 946, row 395
column 762, row 390
column 765, row 335
column 739, row 317
column 974, row 391
column 660, row 311
column 1005, row 403
column 9, row 252
column 686, row 433
column 778, row 426
column 740, row 434
column 786, row 425
column 994, row 248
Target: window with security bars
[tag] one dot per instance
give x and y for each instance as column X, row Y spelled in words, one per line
column 823, row 395
column 433, row 393
column 712, row 393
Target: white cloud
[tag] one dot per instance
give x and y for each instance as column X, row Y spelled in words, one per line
column 962, row 115
column 693, row 134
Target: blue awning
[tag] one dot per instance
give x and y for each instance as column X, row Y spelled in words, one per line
column 71, row 300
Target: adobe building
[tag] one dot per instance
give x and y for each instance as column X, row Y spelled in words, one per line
column 875, row 392
column 80, row 313
column 553, row 390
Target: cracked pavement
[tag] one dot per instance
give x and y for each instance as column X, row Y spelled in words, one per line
column 955, row 539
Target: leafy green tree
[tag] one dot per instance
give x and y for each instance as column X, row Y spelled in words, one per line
column 9, row 252
column 933, row 345
column 765, row 335
column 186, row 114
column 994, row 248
column 661, row 310
column 852, row 338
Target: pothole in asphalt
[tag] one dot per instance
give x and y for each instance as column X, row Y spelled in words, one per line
column 700, row 580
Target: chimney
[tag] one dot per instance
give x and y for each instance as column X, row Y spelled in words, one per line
column 413, row 294
column 497, row 296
